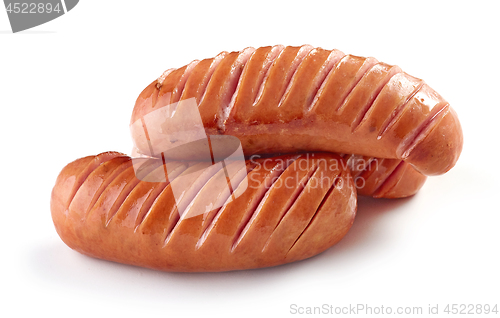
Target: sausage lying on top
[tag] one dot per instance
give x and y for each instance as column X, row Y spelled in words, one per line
column 287, row 99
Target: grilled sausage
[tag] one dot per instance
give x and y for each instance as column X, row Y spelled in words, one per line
column 289, row 99
column 285, row 209
column 384, row 178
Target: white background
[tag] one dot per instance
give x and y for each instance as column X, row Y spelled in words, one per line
column 67, row 89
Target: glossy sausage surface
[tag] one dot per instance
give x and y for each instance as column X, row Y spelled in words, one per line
column 288, row 99
column 278, row 210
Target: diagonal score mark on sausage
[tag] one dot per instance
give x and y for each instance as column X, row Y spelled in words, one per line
column 270, row 65
column 215, row 192
column 89, row 188
column 179, row 88
column 322, row 77
column 159, row 80
column 374, row 89
column 162, row 215
column 386, row 175
column 294, row 197
column 159, row 188
column 358, row 165
column 304, row 84
column 173, row 174
column 379, row 191
column 364, row 68
column 221, row 87
column 107, row 200
column 327, row 195
column 398, row 110
column 173, row 84
column 419, row 133
column 190, row 185
column 303, row 209
column 275, row 204
column 210, row 223
column 292, row 71
column 247, row 220
column 252, row 82
column 277, row 86
column 272, row 55
column 106, row 181
column 233, row 83
column 128, row 187
column 94, row 162
column 207, row 76
column 137, row 200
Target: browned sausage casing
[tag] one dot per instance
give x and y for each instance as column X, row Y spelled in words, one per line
column 384, row 178
column 289, row 99
column 293, row 207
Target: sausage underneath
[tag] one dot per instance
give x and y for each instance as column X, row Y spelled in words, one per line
column 285, row 209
